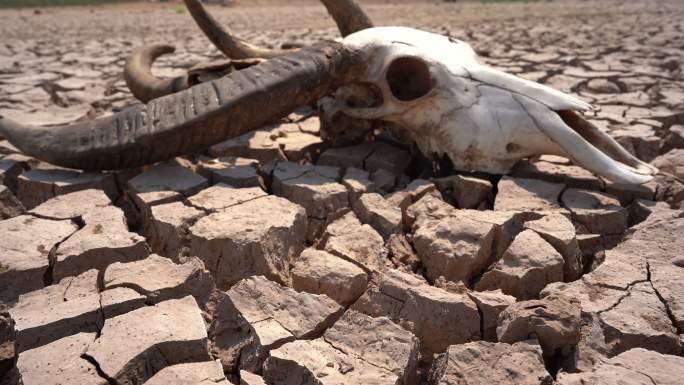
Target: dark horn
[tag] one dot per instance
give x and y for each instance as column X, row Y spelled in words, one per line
column 193, row 119
column 348, row 15
column 140, row 80
column 231, row 46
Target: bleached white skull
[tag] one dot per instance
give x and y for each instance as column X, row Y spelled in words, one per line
column 443, row 99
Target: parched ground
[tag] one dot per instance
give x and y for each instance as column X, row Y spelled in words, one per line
column 274, row 259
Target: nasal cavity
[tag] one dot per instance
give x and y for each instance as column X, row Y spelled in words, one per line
column 409, row 78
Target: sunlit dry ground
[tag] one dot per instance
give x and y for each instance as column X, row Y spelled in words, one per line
column 369, row 266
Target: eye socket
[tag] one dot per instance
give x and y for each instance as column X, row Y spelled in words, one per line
column 409, row 78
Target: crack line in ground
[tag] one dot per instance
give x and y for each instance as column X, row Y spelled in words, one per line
column 48, row 276
column 668, row 310
column 102, row 314
column 355, row 356
column 214, row 211
column 619, row 288
column 481, row 314
column 627, row 293
column 129, row 285
column 647, row 376
column 98, row 369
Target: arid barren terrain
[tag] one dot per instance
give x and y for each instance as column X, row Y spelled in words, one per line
column 274, row 259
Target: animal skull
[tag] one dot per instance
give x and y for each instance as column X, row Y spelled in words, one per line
column 432, row 90
column 429, row 88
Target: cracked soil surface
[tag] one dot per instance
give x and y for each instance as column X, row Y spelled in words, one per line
column 274, row 259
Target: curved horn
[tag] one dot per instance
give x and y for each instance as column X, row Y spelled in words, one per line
column 193, row 119
column 231, row 46
column 347, row 14
column 140, row 80
column 145, row 86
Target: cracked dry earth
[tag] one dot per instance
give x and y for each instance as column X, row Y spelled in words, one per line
column 273, row 259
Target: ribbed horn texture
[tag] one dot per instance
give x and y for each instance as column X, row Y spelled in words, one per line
column 140, row 80
column 193, row 119
column 348, row 15
column 231, row 46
